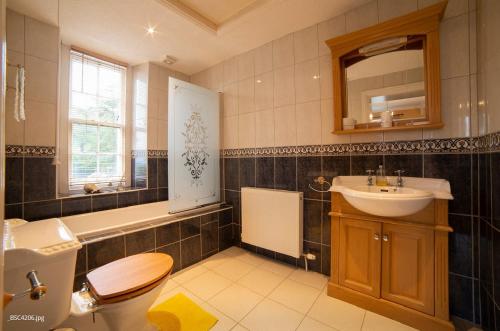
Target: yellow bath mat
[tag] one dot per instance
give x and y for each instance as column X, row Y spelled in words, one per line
column 179, row 313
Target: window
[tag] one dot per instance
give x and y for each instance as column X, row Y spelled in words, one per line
column 96, row 121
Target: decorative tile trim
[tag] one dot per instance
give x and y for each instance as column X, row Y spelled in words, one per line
column 429, row 146
column 151, row 153
column 30, row 151
column 157, row 153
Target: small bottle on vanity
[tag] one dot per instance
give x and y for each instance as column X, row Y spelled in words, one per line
column 381, row 179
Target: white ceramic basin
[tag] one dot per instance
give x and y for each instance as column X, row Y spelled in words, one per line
column 391, row 201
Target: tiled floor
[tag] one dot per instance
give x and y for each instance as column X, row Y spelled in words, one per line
column 249, row 292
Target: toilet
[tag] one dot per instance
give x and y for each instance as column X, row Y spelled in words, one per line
column 121, row 291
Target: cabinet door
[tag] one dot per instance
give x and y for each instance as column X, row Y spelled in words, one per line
column 359, row 256
column 408, row 266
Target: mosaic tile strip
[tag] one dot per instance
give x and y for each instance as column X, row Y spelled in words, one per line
column 157, row 153
column 430, row 146
column 30, row 151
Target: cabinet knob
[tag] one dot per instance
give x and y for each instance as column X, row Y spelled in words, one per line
column 376, row 236
column 385, row 237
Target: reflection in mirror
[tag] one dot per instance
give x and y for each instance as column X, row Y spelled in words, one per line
column 385, row 84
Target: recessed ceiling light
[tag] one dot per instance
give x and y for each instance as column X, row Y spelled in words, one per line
column 316, row 77
column 258, row 81
column 151, row 30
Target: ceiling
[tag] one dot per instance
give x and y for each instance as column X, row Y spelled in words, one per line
column 117, row 28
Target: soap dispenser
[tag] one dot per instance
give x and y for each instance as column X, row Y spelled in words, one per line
column 381, row 180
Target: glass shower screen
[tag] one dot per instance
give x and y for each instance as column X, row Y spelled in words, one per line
column 193, row 146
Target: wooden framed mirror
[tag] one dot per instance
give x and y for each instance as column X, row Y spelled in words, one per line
column 387, row 77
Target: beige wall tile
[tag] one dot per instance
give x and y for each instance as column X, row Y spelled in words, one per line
column 246, row 130
column 162, row 104
column 388, row 9
column 230, row 129
column 308, row 123
column 230, row 71
column 329, row 29
column 246, row 95
column 264, row 91
column 474, row 124
column 230, row 98
column 264, row 58
column 152, row 133
column 217, row 77
column 162, row 132
column 326, row 77
column 15, row 31
column 307, row 85
column 473, row 42
column 305, row 43
column 264, row 128
column 153, row 102
column 367, row 137
column 42, row 40
column 40, row 123
column 362, row 17
column 284, row 86
column 14, row 58
column 327, row 137
column 41, row 80
column 403, row 135
column 493, row 99
column 283, row 51
column 245, row 65
column 165, row 74
column 454, row 7
column 14, row 130
column 285, row 126
column 455, row 109
column 454, row 47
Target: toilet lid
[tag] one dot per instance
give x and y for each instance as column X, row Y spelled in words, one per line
column 129, row 274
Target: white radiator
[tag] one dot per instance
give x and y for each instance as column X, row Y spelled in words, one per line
column 272, row 219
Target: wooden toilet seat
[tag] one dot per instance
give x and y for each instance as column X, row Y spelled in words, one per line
column 129, row 277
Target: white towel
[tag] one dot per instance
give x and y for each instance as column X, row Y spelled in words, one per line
column 19, row 113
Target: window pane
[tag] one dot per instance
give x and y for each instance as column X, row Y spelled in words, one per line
column 83, row 166
column 109, row 165
column 84, row 106
column 89, row 77
column 140, row 116
column 110, row 82
column 109, row 140
column 109, row 110
column 76, row 75
column 84, row 138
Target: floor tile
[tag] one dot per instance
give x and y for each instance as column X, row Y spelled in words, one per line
column 375, row 322
column 234, row 251
column 308, row 324
column 261, row 281
column 215, row 260
column 277, row 267
column 337, row 314
column 170, row 285
column 175, row 291
column 238, row 327
column 224, row 323
column 310, row 278
column 235, row 301
column 272, row 316
column 233, row 269
column 189, row 273
column 207, row 284
column 252, row 259
column 295, row 295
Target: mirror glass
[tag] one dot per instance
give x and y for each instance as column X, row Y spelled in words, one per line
column 385, row 84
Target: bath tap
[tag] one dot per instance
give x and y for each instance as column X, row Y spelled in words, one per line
column 399, row 181
column 370, row 177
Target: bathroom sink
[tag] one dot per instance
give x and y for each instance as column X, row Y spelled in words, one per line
column 391, row 201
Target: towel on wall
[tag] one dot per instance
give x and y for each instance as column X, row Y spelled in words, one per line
column 179, row 313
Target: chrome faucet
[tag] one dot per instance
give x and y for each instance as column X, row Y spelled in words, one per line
column 370, row 176
column 399, row 181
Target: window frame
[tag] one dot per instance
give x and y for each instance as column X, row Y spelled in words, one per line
column 67, row 185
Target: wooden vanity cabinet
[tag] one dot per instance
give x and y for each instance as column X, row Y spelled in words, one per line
column 394, row 267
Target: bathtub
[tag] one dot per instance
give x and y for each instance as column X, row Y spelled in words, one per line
column 128, row 219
